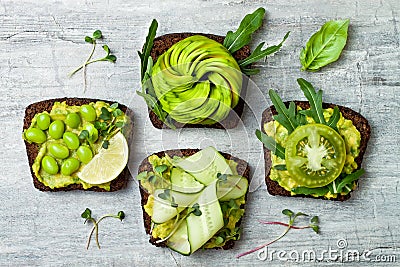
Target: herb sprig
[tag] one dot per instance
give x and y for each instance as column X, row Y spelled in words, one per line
column 87, row 215
column 109, row 123
column 271, row 144
column 242, row 36
column 314, row 225
column 97, row 35
column 146, row 65
column 343, row 184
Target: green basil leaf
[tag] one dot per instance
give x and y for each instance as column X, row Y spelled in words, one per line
column 286, row 116
column 271, row 144
column 325, row 46
column 315, row 99
column 242, row 36
column 258, row 54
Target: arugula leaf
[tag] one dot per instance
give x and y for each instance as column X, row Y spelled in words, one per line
column 324, row 46
column 271, row 144
column 334, row 118
column 250, row 72
column 144, row 55
column 242, row 36
column 349, row 179
column 258, row 54
column 315, row 99
column 280, row 167
column 148, row 92
column 286, row 116
column 319, row 191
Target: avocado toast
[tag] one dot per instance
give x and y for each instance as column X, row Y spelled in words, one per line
column 197, row 79
column 223, row 225
column 163, row 43
column 327, row 168
column 45, row 116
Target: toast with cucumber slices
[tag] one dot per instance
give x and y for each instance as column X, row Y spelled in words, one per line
column 68, row 140
column 193, row 198
column 312, row 149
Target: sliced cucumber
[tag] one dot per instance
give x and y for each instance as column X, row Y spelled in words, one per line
column 184, row 182
column 202, row 228
column 205, row 165
column 179, row 241
column 163, row 209
column 233, row 187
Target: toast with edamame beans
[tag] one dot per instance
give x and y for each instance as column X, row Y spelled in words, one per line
column 62, row 136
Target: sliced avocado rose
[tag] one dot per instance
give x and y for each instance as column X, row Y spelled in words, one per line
column 197, row 80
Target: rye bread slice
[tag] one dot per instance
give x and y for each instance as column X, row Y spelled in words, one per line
column 359, row 122
column 32, row 149
column 163, row 43
column 242, row 168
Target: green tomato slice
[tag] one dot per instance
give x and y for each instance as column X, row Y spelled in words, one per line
column 315, row 155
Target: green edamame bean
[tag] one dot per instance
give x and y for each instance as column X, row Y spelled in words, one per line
column 85, row 154
column 59, row 151
column 69, row 166
column 93, row 132
column 56, row 129
column 35, row 135
column 49, row 165
column 71, row 140
column 73, row 120
column 43, row 121
column 88, row 113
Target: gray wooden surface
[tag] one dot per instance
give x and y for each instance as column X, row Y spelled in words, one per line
column 41, row 41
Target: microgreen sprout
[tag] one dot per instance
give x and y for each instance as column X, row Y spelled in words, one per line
column 109, row 123
column 195, row 209
column 87, row 215
column 108, row 57
column 290, row 225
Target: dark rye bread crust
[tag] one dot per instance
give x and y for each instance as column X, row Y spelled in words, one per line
column 243, row 169
column 359, row 122
column 163, row 43
column 32, row 150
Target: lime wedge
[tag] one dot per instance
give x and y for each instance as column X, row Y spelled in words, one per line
column 108, row 163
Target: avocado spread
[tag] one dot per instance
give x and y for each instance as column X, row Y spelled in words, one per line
column 232, row 210
column 59, row 112
column 347, row 131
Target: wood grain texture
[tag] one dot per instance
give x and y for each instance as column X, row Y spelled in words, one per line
column 42, row 41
